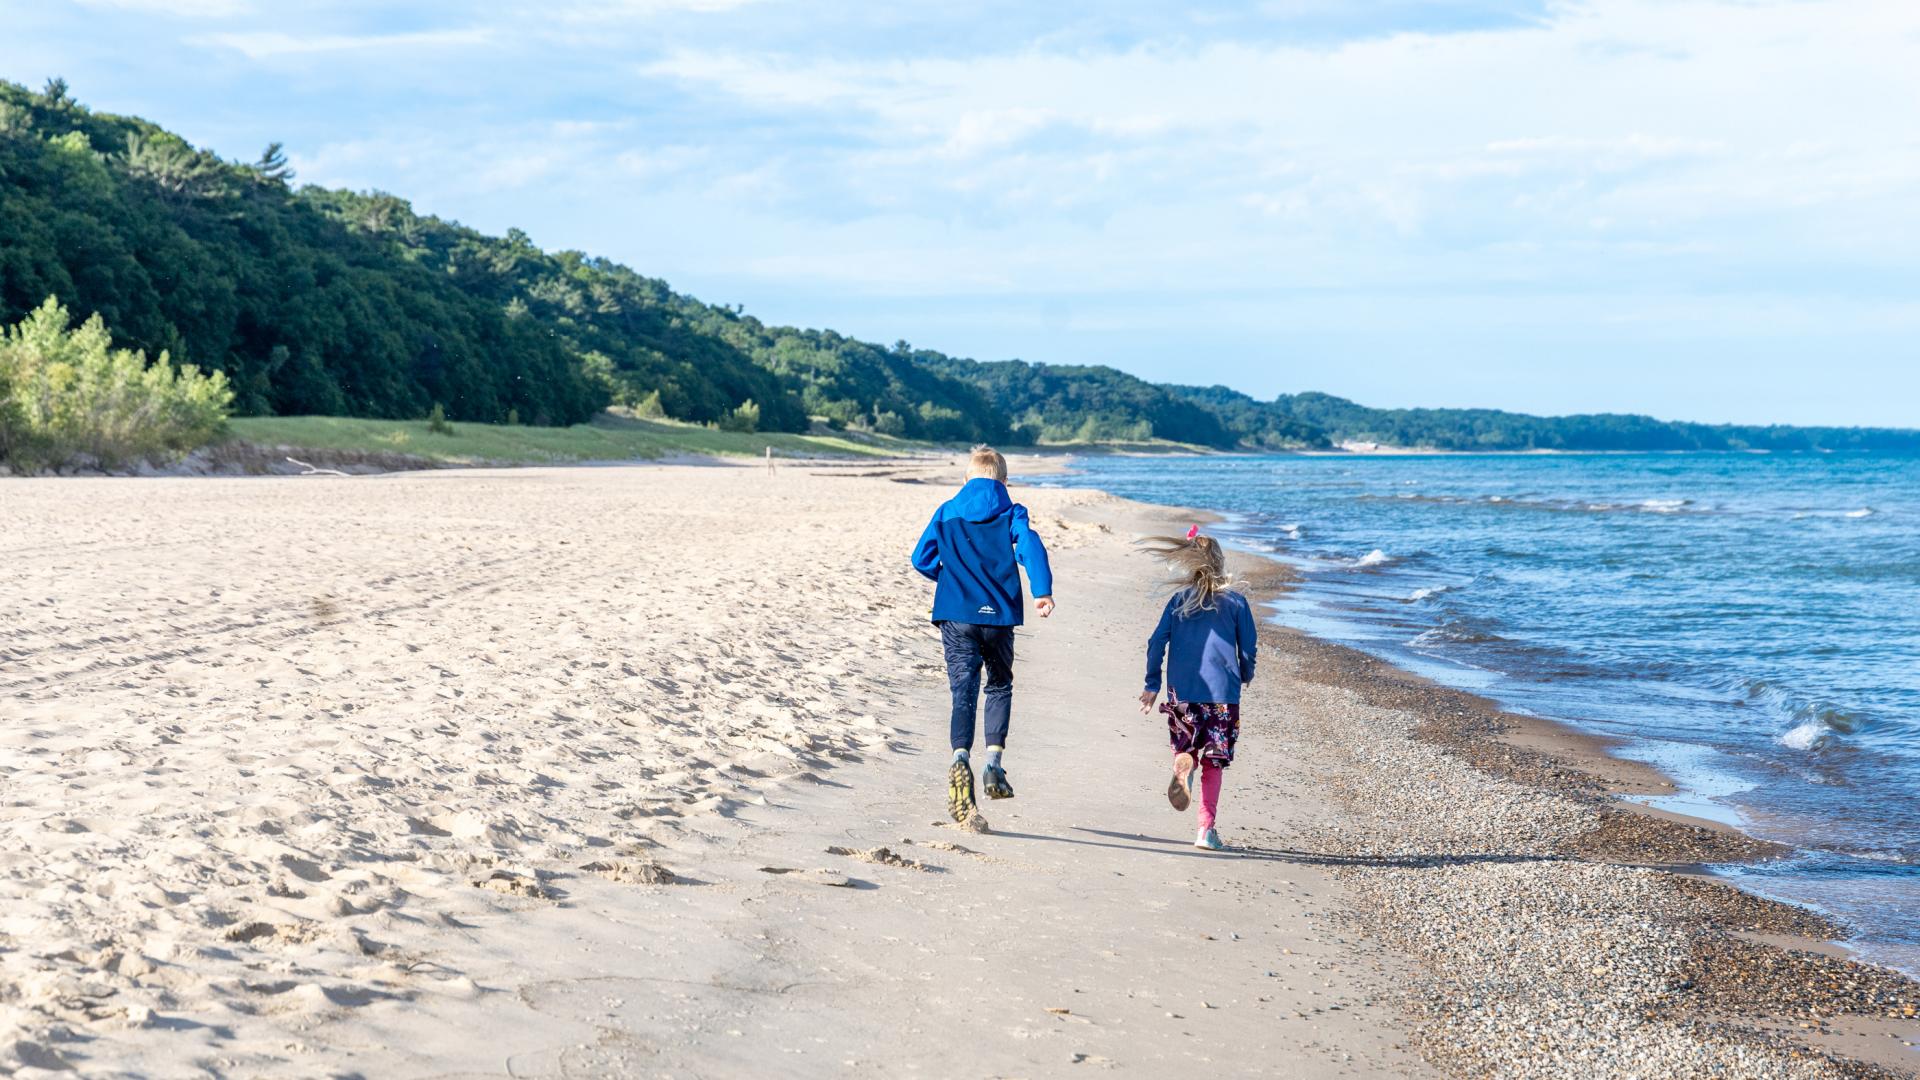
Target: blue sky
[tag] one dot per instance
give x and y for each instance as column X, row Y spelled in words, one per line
column 1707, row 210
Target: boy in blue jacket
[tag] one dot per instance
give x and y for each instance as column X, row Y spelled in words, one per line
column 973, row 550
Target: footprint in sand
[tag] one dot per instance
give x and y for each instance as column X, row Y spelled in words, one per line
column 266, row 933
column 882, row 856
column 819, row 876
column 512, row 884
column 636, row 872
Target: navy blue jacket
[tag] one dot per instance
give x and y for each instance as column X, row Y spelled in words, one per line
column 973, row 550
column 1210, row 653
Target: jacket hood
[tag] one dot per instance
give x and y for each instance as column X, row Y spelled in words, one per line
column 982, row 499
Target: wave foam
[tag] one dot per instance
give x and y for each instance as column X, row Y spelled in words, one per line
column 1433, row 590
column 1807, row 736
column 1454, row 633
column 1376, row 557
column 1817, row 727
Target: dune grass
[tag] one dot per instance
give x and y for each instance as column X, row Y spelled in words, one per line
column 607, row 438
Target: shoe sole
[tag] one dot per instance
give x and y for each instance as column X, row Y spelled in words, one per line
column 1177, row 787
column 960, row 792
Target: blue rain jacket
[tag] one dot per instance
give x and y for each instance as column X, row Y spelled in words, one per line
column 973, row 550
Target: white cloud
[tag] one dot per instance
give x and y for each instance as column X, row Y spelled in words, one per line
column 273, row 44
column 185, row 9
column 1653, row 114
column 623, row 8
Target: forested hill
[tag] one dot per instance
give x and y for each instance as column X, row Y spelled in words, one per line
column 317, row 301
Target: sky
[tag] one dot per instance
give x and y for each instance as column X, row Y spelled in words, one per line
column 1699, row 209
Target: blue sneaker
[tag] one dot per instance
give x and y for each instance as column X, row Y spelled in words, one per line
column 994, row 779
column 1209, row 840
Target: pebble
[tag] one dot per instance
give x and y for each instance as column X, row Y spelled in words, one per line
column 1538, row 957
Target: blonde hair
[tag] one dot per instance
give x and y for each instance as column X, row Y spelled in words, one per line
column 986, row 461
column 1198, row 566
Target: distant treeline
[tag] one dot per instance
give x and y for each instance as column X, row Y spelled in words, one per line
column 1295, row 419
column 316, row 301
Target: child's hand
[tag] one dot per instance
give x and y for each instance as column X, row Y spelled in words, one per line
column 1043, row 605
column 1147, row 698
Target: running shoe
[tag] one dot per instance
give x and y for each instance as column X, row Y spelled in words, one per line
column 960, row 790
column 995, row 778
column 1209, row 839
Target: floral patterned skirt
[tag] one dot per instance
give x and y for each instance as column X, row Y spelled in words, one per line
column 1205, row 729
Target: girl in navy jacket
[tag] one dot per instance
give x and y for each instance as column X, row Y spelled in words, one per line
column 1207, row 642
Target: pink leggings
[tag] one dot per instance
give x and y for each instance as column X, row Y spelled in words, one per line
column 1210, row 777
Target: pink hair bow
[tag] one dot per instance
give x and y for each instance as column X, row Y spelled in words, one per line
column 1193, row 532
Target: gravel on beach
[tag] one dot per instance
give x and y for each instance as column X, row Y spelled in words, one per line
column 1554, row 933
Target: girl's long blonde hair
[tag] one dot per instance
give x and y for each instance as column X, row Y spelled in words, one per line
column 1198, row 566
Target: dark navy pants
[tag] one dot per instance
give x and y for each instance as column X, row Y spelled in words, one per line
column 970, row 647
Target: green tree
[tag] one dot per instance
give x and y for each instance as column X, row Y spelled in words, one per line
column 272, row 167
column 744, row 418
column 68, row 396
column 171, row 165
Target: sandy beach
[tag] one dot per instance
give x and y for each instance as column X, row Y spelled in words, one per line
column 638, row 771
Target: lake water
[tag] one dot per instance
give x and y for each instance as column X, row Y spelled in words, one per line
column 1749, row 623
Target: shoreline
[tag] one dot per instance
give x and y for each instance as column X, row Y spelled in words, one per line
column 1859, row 1011
column 1749, row 969
column 1541, row 750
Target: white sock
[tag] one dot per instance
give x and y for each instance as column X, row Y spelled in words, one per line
column 960, row 754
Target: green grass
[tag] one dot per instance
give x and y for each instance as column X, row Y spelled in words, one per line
column 608, row 438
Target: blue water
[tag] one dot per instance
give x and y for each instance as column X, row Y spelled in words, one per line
column 1749, row 623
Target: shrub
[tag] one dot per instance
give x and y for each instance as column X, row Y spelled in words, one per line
column 513, row 417
column 68, row 397
column 744, row 418
column 437, row 420
column 650, row 407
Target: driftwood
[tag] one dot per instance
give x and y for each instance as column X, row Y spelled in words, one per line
column 314, row 470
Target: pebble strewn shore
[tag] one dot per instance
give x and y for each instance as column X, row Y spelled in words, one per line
column 1551, row 940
